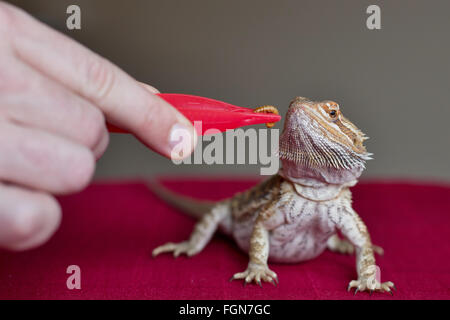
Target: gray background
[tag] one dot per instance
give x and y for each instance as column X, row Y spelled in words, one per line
column 393, row 83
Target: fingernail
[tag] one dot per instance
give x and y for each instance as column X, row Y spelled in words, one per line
column 101, row 146
column 149, row 88
column 182, row 140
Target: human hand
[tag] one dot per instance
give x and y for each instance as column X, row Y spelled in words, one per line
column 54, row 97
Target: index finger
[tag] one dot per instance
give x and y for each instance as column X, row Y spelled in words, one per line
column 121, row 98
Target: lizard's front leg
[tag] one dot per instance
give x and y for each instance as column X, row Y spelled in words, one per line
column 257, row 268
column 355, row 230
column 203, row 231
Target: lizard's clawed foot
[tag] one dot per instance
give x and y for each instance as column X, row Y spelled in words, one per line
column 177, row 248
column 256, row 273
column 378, row 250
column 370, row 284
column 344, row 246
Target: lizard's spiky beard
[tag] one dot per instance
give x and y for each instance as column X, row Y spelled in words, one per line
column 317, row 139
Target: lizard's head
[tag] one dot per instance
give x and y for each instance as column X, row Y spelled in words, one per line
column 319, row 143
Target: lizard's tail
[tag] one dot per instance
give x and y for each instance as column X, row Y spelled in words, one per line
column 195, row 208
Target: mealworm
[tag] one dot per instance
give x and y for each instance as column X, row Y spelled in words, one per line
column 267, row 109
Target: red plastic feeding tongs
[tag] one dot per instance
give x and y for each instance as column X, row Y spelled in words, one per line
column 215, row 114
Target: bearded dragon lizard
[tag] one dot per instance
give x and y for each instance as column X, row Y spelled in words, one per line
column 294, row 216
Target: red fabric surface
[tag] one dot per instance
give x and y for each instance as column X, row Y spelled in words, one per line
column 110, row 228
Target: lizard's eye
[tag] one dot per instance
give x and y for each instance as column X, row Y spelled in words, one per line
column 331, row 108
column 333, row 114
